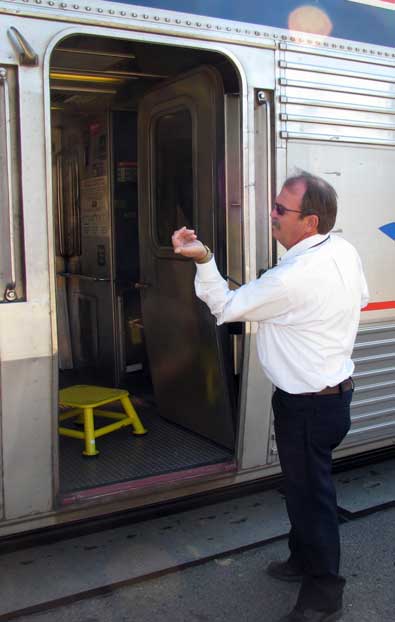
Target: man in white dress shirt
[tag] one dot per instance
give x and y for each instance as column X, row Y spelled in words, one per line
column 308, row 310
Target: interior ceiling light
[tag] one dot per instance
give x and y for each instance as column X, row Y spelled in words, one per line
column 81, row 89
column 96, row 52
column 119, row 74
column 84, row 77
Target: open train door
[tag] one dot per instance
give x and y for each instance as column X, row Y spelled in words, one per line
column 181, row 170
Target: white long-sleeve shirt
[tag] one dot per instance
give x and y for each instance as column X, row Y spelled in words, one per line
column 307, row 309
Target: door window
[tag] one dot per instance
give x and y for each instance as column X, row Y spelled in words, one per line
column 173, row 185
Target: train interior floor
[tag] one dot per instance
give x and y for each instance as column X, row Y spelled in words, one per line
column 123, row 457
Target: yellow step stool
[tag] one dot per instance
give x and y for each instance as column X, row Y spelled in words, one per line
column 84, row 400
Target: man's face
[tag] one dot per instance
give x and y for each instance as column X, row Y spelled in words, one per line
column 289, row 228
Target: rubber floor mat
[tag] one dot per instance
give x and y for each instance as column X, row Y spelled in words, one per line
column 166, row 448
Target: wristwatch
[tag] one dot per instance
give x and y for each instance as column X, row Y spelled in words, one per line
column 208, row 256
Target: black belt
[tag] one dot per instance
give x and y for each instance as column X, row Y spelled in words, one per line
column 342, row 387
column 338, row 389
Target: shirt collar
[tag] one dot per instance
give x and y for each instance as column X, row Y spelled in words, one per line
column 304, row 245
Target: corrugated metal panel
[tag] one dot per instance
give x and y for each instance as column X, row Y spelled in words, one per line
column 335, row 99
column 373, row 405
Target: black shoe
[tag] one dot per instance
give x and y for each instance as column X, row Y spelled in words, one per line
column 285, row 571
column 310, row 615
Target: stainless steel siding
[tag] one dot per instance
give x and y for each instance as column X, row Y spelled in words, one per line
column 336, row 99
column 373, row 405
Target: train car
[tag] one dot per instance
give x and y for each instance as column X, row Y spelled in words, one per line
column 119, row 123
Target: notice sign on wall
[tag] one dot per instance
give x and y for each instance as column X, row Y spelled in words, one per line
column 95, row 220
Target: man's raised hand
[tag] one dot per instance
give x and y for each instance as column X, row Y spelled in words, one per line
column 185, row 243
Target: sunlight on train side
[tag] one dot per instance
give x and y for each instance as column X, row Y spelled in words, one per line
column 310, row 19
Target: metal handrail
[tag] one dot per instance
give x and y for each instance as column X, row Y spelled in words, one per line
column 59, row 204
column 264, row 100
column 85, row 277
column 8, row 241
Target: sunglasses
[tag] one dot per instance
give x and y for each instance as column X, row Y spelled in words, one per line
column 280, row 209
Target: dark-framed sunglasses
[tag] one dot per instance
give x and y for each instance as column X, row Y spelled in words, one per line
column 280, row 209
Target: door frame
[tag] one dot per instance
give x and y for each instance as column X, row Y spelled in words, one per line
column 231, row 53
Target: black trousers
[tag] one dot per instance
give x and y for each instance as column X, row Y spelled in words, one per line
column 307, row 429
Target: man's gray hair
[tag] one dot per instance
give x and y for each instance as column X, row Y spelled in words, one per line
column 320, row 198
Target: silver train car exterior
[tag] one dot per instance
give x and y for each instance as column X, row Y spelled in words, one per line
column 118, row 123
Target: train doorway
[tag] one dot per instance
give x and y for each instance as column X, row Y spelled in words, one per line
column 138, row 149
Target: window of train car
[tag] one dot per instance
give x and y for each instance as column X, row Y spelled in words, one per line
column 12, row 278
column 173, row 174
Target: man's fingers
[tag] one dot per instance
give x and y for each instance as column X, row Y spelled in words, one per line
column 183, row 236
column 182, row 229
column 185, row 242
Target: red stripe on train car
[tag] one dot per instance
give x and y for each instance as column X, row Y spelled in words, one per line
column 377, row 306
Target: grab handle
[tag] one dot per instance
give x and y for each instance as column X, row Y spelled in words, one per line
column 7, row 219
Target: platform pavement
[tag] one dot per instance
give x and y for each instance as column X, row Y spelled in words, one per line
column 110, row 558
column 236, row 588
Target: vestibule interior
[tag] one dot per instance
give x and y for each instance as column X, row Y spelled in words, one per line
column 98, row 87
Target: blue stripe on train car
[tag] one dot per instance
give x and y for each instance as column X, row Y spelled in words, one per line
column 389, row 229
column 350, row 20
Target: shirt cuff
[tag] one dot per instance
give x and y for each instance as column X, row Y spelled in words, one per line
column 207, row 271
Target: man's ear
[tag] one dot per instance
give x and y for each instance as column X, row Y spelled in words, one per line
column 312, row 222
